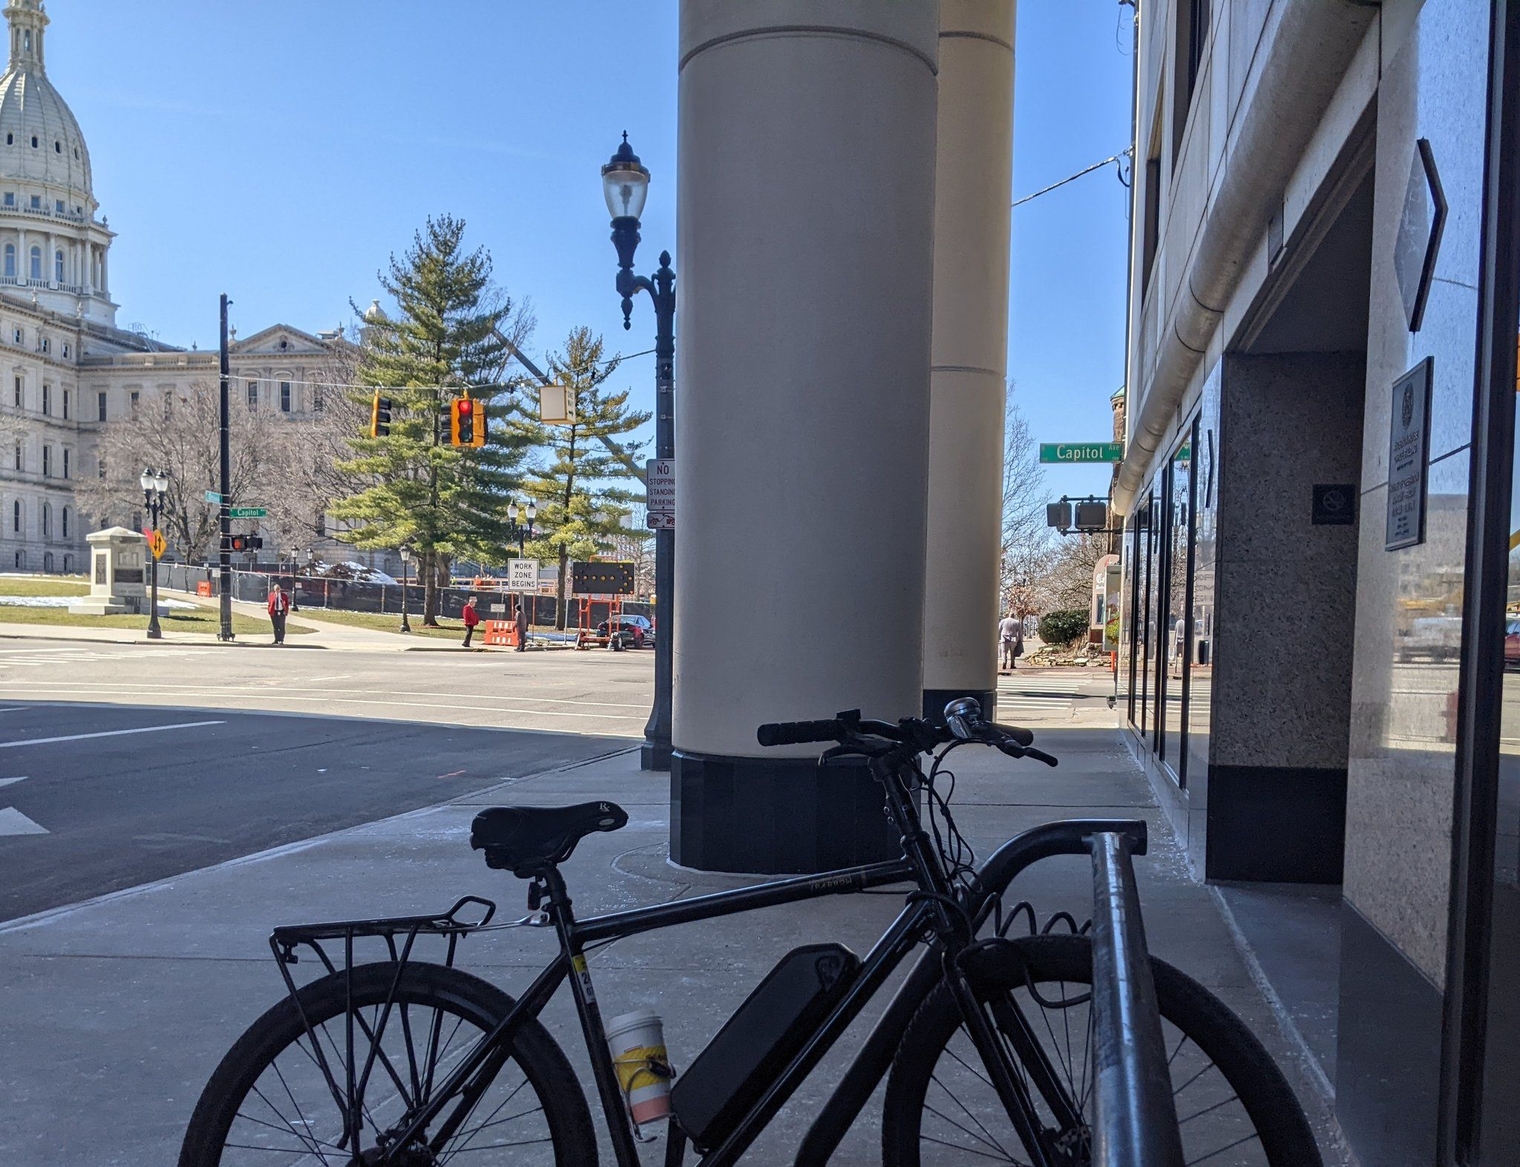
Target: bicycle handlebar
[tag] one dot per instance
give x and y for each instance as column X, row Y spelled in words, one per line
column 963, row 721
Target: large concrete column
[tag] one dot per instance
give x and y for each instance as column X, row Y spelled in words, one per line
column 973, row 175
column 805, row 236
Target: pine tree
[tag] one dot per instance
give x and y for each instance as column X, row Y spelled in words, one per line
column 580, row 504
column 446, row 502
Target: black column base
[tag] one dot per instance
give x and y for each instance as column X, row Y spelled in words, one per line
column 775, row 816
column 654, row 755
column 935, row 701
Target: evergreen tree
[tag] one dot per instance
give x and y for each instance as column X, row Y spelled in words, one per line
column 580, row 501
column 446, row 502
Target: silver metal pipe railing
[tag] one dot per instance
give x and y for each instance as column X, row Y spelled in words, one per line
column 1134, row 1114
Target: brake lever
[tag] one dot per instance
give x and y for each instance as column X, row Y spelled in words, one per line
column 1014, row 750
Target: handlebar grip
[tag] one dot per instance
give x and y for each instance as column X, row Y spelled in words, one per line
column 1023, row 736
column 789, row 733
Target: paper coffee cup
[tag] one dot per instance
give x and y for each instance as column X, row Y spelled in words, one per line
column 637, row 1041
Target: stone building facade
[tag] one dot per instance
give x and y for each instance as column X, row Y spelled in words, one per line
column 66, row 367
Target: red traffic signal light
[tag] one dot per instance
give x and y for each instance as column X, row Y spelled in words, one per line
column 467, row 423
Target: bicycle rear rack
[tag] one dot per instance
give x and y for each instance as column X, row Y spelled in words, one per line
column 284, row 940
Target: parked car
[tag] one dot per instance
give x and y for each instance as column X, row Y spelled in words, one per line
column 635, row 632
column 1512, row 642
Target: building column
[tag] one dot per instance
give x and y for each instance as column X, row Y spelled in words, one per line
column 805, row 238
column 973, row 192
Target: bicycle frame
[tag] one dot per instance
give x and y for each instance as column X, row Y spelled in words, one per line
column 931, row 914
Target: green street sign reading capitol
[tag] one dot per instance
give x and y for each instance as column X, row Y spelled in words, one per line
column 247, row 513
column 1081, row 451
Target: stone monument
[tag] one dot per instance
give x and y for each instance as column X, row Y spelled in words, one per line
column 118, row 571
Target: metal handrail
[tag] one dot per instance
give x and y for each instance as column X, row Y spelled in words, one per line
column 1135, row 1116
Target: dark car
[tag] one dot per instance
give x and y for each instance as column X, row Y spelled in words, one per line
column 1512, row 642
column 634, row 631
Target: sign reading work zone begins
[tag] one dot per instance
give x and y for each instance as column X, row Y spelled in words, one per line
column 1081, row 451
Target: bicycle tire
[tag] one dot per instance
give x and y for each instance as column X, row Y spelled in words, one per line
column 1283, row 1137
column 447, row 992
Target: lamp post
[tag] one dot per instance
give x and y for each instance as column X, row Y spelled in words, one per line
column 522, row 533
column 406, row 563
column 155, row 484
column 625, row 185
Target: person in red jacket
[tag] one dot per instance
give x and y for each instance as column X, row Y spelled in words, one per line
column 279, row 605
column 471, row 618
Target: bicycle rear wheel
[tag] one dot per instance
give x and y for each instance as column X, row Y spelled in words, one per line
column 270, row 1101
column 1234, row 1106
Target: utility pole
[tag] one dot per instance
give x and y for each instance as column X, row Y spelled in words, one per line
column 224, row 587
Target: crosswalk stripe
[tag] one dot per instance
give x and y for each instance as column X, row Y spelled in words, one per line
column 12, row 781
column 13, row 822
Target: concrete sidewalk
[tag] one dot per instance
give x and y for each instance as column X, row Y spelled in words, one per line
column 114, row 1012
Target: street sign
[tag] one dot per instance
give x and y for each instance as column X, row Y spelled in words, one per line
column 660, row 493
column 1081, row 451
column 213, row 496
column 522, row 575
column 157, row 543
column 248, row 512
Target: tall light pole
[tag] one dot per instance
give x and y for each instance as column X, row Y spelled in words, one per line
column 625, row 185
column 406, row 564
column 155, row 484
column 522, row 532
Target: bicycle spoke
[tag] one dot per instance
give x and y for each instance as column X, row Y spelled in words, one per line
column 971, row 1151
column 1178, row 1090
column 989, row 1140
column 309, row 1141
column 467, row 1136
column 1207, row 1110
column 1226, row 1147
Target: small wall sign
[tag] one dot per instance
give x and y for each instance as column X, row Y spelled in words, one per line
column 1408, row 457
column 1334, row 505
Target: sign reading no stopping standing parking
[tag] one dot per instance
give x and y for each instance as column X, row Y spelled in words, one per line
column 660, row 492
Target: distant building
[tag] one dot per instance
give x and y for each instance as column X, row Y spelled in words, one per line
column 65, row 364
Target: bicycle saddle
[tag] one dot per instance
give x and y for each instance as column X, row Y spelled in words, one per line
column 526, row 839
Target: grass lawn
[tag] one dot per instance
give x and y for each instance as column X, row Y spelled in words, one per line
column 388, row 622
column 204, row 620
column 32, row 585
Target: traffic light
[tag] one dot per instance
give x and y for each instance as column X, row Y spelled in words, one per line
column 380, row 417
column 245, row 542
column 467, row 421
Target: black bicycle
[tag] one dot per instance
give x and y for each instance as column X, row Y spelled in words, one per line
column 987, row 1041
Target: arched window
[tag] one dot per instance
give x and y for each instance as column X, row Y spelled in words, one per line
column 57, row 147
column 34, row 141
column 36, row 263
column 10, row 261
column 65, row 529
column 47, row 562
column 16, row 516
column 47, row 520
column 68, row 564
column 58, row 266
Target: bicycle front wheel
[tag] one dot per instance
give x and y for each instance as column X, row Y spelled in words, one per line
column 1234, row 1106
column 280, row 1094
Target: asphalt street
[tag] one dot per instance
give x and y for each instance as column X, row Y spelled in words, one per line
column 121, row 765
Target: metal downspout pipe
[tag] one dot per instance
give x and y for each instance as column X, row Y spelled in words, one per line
column 1307, row 56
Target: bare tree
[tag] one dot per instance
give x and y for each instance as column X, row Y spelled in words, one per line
column 1065, row 576
column 179, row 431
column 1026, row 543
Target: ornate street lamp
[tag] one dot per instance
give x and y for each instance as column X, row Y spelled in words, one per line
column 522, row 533
column 155, row 484
column 406, row 563
column 625, row 185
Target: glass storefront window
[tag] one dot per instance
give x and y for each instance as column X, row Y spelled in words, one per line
column 1178, row 487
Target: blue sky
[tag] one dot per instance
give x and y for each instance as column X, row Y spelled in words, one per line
column 280, row 150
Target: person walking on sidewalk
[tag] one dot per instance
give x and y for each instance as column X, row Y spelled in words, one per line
column 522, row 628
column 1011, row 634
column 471, row 618
column 279, row 605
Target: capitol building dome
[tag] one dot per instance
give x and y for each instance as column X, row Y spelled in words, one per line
column 52, row 249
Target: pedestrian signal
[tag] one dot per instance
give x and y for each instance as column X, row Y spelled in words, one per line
column 467, row 421
column 245, row 542
column 380, row 417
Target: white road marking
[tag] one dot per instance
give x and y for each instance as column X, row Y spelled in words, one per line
column 13, row 822
column 12, row 781
column 274, row 688
column 78, row 737
column 12, row 709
